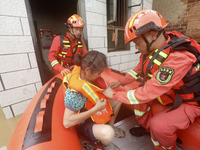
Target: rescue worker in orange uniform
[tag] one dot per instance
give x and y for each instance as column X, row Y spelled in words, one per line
column 65, row 47
column 97, row 113
column 168, row 70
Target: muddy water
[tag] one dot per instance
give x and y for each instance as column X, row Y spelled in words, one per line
column 7, row 127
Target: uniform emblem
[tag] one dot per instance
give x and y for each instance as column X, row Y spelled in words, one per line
column 164, row 75
column 65, row 48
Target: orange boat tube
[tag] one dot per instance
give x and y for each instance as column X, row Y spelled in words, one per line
column 41, row 125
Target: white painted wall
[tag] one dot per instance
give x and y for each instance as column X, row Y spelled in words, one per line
column 96, row 16
column 19, row 75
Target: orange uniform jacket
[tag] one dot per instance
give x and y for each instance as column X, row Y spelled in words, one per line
column 56, row 48
column 180, row 62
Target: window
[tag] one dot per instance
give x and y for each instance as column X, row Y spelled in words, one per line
column 116, row 20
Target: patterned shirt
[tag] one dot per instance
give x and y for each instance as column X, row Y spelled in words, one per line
column 74, row 101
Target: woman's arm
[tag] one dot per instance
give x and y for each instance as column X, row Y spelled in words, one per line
column 71, row 118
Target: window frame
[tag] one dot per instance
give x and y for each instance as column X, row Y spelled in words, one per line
column 116, row 28
column 114, row 13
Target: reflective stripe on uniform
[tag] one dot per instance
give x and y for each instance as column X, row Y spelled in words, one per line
column 80, row 45
column 133, row 74
column 131, row 97
column 166, row 148
column 65, row 41
column 90, row 92
column 150, row 75
column 141, row 113
column 60, row 55
column 159, row 99
column 64, row 53
column 53, row 63
column 156, row 143
column 157, row 62
column 67, row 45
column 162, row 54
column 197, row 66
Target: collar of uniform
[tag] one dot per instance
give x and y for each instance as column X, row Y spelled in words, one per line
column 71, row 41
column 167, row 37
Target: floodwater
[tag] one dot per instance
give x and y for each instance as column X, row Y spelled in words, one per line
column 7, row 127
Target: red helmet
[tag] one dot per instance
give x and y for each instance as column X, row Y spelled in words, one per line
column 75, row 21
column 143, row 21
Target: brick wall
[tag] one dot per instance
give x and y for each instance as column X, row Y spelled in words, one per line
column 19, row 75
column 183, row 16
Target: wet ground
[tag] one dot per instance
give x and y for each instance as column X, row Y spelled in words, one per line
column 7, row 127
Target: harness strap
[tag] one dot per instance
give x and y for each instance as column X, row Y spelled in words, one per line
column 178, row 42
column 193, row 89
column 192, row 86
column 151, row 62
column 62, row 38
column 74, row 52
column 191, row 83
column 172, row 43
column 177, row 102
column 67, row 44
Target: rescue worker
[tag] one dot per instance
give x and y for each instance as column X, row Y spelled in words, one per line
column 97, row 113
column 65, row 46
column 169, row 74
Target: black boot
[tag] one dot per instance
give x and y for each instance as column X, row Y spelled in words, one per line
column 138, row 131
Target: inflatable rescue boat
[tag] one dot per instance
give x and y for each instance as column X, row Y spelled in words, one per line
column 41, row 125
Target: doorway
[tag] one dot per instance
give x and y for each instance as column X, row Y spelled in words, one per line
column 48, row 15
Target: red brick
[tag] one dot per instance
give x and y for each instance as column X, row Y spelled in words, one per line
column 194, row 8
column 191, row 1
column 194, row 24
column 185, row 2
column 197, row 16
column 194, row 31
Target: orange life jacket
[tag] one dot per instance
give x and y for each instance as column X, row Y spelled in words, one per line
column 92, row 92
column 66, row 55
column 187, row 88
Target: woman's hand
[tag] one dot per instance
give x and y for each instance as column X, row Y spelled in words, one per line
column 108, row 92
column 101, row 104
column 115, row 84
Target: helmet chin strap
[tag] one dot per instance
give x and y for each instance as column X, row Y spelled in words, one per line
column 150, row 44
column 78, row 38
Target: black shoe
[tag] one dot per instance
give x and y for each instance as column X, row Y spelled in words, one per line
column 138, row 131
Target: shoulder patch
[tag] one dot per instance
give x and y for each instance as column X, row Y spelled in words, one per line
column 164, row 75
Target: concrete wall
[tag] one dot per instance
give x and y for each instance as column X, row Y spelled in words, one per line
column 96, row 17
column 183, row 16
column 19, row 75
